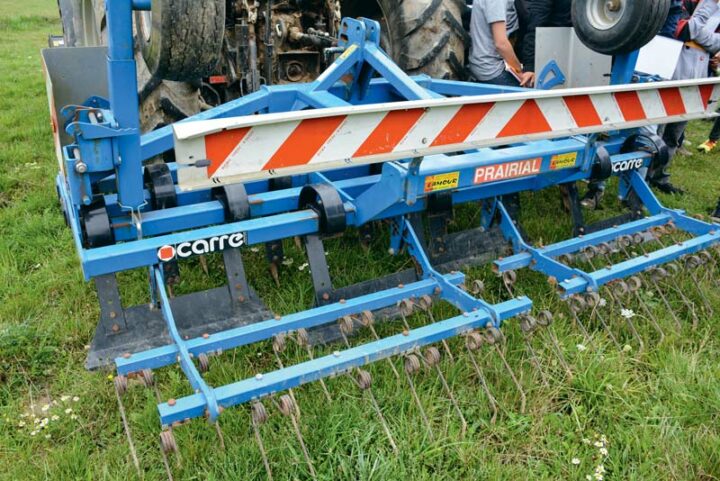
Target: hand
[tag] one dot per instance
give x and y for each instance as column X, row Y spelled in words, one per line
column 715, row 62
column 527, row 79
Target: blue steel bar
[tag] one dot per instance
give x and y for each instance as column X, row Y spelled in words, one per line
column 241, row 336
column 640, row 264
column 577, row 244
column 188, row 367
column 293, row 376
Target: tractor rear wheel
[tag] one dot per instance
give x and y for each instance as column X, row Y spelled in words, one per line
column 181, row 39
column 615, row 27
column 421, row 36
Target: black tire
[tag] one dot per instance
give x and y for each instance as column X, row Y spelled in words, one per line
column 421, row 36
column 181, row 39
column 79, row 22
column 614, row 32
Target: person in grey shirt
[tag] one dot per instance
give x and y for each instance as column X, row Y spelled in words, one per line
column 491, row 53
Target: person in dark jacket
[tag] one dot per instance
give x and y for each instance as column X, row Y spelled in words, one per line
column 542, row 13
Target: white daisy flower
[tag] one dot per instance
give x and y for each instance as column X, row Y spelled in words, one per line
column 64, row 398
column 68, row 410
column 627, row 313
column 581, row 347
column 45, row 408
column 575, row 461
column 76, row 399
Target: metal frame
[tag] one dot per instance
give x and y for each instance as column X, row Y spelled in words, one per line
column 109, row 153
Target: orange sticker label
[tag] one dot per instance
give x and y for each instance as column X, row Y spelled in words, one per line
column 433, row 183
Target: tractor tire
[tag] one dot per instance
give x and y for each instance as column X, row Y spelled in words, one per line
column 79, row 22
column 426, row 36
column 181, row 40
column 614, row 27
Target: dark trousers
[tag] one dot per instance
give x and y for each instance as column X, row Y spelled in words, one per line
column 505, row 79
column 715, row 132
column 672, row 135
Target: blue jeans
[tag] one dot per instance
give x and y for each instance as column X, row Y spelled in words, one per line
column 505, row 79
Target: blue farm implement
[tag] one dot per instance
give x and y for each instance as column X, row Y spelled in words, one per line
column 363, row 145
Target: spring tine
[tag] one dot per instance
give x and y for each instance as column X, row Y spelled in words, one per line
column 120, row 384
column 426, row 304
column 495, row 337
column 628, row 320
column 692, row 275
column 302, row 339
column 545, row 319
column 204, row 265
column 432, row 360
column 636, row 284
column 368, row 321
column 364, row 382
column 220, row 436
column 275, row 273
column 580, row 324
column 166, row 463
column 656, row 287
column 287, row 408
column 509, row 278
column 596, row 311
column 689, row 305
column 528, row 325
column 278, row 347
column 412, row 363
column 258, row 417
column 483, row 381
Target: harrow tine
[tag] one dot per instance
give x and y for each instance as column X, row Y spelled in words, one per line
column 495, row 338
column 204, row 265
column 594, row 301
column 528, row 325
column 431, row 357
column 279, row 345
column 574, row 308
column 168, row 446
column 275, row 273
column 219, row 433
column 303, row 340
column 615, row 291
column 286, row 406
column 473, row 343
column 367, row 319
column 364, row 381
column 425, row 304
column 669, row 230
column 625, row 242
column 120, row 385
column 258, row 417
column 545, row 319
column 509, row 279
column 634, row 284
column 412, row 365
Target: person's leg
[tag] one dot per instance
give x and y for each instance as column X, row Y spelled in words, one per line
column 712, row 142
column 659, row 175
column 505, row 79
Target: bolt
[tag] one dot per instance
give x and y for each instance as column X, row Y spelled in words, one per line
column 81, row 167
column 113, row 314
column 258, row 376
column 400, row 286
column 171, row 402
column 326, row 296
column 115, row 328
column 241, row 298
column 277, row 318
column 127, row 355
column 206, row 336
column 405, row 332
column 336, row 353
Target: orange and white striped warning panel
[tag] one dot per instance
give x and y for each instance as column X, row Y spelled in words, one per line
column 239, row 149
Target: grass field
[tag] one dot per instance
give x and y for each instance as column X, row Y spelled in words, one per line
column 651, row 415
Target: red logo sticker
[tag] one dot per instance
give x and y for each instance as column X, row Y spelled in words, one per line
column 166, row 253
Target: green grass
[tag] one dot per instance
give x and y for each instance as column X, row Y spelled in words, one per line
column 659, row 410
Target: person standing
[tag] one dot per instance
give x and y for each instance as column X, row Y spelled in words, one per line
column 492, row 57
column 701, row 43
column 543, row 13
